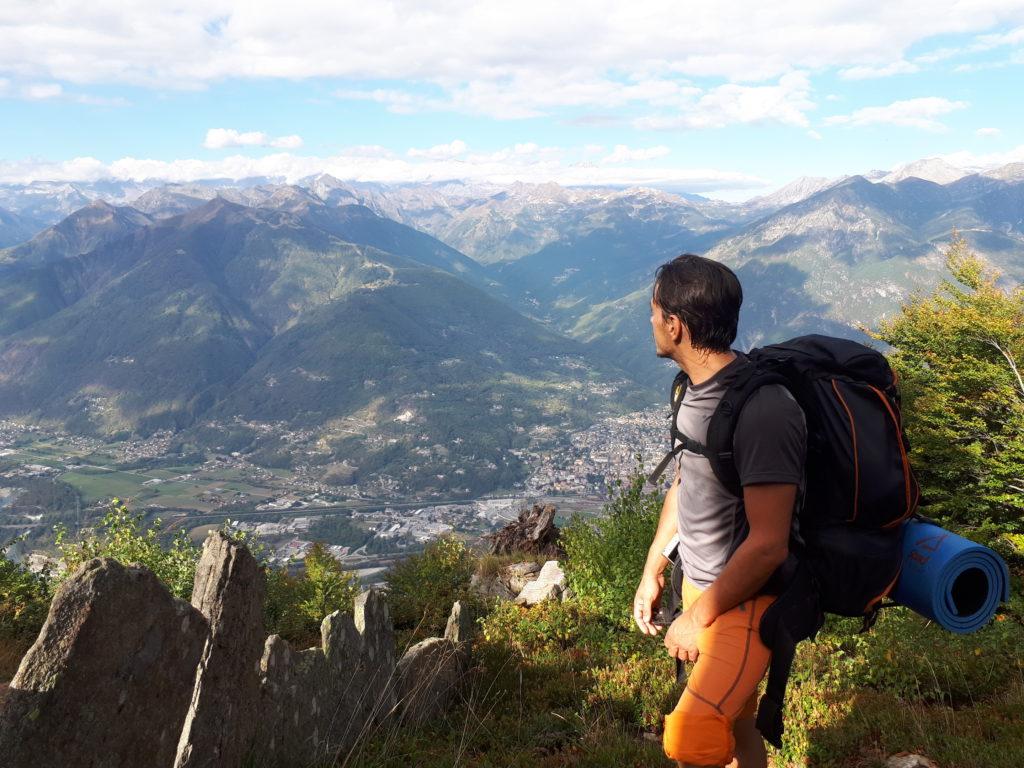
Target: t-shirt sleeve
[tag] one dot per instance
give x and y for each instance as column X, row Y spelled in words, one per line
column 770, row 442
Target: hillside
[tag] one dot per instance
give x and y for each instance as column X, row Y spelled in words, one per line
column 301, row 315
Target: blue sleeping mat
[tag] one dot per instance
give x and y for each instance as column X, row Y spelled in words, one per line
column 946, row 578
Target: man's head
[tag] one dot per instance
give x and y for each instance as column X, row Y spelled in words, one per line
column 695, row 301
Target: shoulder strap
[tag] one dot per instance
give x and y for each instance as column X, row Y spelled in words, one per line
column 722, row 427
column 679, row 441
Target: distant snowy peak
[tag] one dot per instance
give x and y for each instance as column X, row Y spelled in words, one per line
column 1008, row 172
column 932, row 169
column 794, row 192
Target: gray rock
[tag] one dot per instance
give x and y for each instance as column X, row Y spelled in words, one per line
column 547, row 586
column 460, row 625
column 315, row 704
column 518, row 575
column 908, row 760
column 429, row 675
column 491, row 586
column 223, row 717
column 108, row 681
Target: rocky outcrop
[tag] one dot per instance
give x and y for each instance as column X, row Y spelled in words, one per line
column 222, row 717
column 430, row 673
column 549, row 585
column 519, row 575
column 108, row 681
column 317, row 702
column 124, row 675
column 534, row 532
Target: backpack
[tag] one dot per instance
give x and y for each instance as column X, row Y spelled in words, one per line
column 859, row 490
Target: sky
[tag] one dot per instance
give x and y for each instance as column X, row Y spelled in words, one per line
column 726, row 99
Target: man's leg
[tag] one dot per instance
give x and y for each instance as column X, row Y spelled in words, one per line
column 750, row 751
column 713, row 722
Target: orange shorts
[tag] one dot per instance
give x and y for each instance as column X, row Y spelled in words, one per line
column 722, row 685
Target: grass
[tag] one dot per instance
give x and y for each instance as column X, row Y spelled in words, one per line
column 95, row 485
column 556, row 685
column 488, row 565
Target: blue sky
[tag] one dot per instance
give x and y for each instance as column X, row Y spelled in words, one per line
column 730, row 100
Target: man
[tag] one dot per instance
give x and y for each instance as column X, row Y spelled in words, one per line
column 728, row 546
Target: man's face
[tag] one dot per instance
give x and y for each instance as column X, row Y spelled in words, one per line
column 662, row 330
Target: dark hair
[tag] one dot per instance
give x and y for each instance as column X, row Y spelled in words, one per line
column 705, row 295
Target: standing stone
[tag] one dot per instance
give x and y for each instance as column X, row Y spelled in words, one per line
column 108, row 681
column 429, row 675
column 222, row 720
column 460, row 625
column 317, row 703
column 377, row 655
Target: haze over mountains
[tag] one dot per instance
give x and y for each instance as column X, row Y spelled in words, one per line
column 417, row 328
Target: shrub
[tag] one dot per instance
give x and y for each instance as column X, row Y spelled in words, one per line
column 422, row 587
column 123, row 536
column 24, row 601
column 606, row 555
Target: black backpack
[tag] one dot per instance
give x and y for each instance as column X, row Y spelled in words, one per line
column 859, row 490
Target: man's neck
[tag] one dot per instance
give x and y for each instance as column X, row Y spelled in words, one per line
column 700, row 366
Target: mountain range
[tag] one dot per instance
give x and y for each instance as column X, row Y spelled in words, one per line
column 417, row 327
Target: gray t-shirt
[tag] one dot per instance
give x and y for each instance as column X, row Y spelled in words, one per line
column 769, row 446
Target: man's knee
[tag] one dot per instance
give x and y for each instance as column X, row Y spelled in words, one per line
column 698, row 737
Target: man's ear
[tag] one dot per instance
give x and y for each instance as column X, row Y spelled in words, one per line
column 678, row 329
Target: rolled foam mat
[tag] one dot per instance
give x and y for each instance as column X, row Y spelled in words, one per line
column 946, row 578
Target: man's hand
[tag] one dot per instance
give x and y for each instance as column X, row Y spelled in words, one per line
column 647, row 597
column 681, row 638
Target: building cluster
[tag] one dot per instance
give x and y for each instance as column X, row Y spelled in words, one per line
column 590, row 460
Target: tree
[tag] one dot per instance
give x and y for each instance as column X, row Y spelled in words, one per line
column 959, row 354
column 329, row 587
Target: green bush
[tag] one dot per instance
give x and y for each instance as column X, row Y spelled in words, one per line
column 24, row 600
column 606, row 555
column 422, row 587
column 123, row 536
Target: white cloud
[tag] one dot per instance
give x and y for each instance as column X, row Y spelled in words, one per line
column 973, row 161
column 225, row 138
column 988, row 132
column 787, row 103
column 526, row 162
column 998, row 40
column 914, row 113
column 42, row 91
column 440, row 151
column 865, row 72
column 490, row 57
column 812, row 134
column 623, row 154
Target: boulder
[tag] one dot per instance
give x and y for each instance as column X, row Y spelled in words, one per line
column 534, row 532
column 109, row 679
column 548, row 585
column 490, row 586
column 223, row 717
column 428, row 678
column 518, row 575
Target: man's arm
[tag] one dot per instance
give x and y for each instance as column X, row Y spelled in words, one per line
column 769, row 508
column 653, row 580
